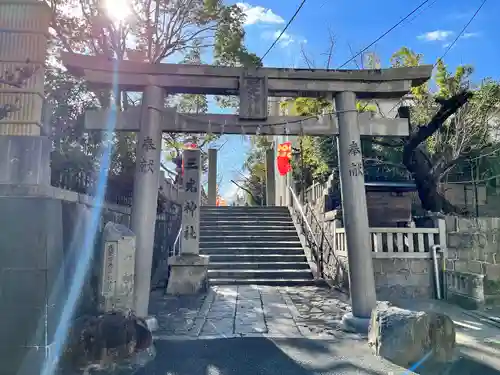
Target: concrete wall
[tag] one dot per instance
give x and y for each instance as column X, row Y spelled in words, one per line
column 42, row 230
column 397, row 277
column 31, row 257
column 474, row 248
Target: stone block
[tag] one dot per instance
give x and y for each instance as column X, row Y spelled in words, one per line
column 398, row 292
column 188, row 275
column 25, row 160
column 453, row 253
column 450, row 264
column 475, row 266
column 461, row 266
column 467, row 254
column 420, row 266
column 465, row 289
column 460, row 240
column 404, row 337
column 492, row 271
column 395, row 265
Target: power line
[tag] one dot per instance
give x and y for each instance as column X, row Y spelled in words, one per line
column 283, row 31
column 449, row 47
column 384, row 34
column 462, row 31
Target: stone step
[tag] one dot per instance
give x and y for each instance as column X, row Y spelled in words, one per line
column 245, row 250
column 289, row 274
column 256, row 218
column 254, row 224
column 252, row 244
column 244, row 209
column 258, row 265
column 259, row 258
column 239, row 232
column 270, row 238
column 270, row 282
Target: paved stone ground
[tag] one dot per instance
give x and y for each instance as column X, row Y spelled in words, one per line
column 237, row 311
column 258, row 330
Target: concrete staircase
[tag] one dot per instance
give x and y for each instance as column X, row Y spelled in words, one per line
column 253, row 245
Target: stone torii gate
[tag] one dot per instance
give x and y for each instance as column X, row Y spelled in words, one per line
column 253, row 87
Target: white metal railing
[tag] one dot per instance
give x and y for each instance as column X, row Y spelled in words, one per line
column 176, row 247
column 388, row 242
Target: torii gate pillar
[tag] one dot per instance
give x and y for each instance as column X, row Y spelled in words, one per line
column 354, row 209
column 270, row 178
column 145, row 197
column 212, row 176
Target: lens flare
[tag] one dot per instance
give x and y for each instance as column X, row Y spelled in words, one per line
column 86, row 250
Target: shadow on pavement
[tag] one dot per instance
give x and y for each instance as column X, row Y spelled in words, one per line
column 462, row 366
column 255, row 356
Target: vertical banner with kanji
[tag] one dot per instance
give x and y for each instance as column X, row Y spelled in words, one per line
column 190, row 241
column 284, row 158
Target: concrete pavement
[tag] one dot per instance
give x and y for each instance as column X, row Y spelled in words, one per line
column 266, row 356
column 294, row 330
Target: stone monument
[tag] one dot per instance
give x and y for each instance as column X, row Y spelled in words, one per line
column 116, row 290
column 189, row 270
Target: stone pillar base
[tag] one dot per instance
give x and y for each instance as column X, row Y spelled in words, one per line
column 152, row 323
column 353, row 324
column 188, row 274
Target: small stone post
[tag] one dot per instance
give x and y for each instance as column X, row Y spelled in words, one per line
column 145, row 197
column 189, row 271
column 270, row 178
column 354, row 208
column 212, row 176
column 117, row 272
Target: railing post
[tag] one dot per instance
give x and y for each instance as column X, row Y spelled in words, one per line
column 441, row 223
column 334, row 235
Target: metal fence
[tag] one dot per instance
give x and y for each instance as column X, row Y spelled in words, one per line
column 167, row 223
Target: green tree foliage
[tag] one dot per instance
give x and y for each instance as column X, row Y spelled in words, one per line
column 316, row 157
column 255, row 165
column 190, row 103
column 467, row 134
column 154, row 31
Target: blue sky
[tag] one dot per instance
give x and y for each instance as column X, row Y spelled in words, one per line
column 354, row 25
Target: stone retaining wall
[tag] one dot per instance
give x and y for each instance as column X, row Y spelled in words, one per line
column 396, row 277
column 474, row 249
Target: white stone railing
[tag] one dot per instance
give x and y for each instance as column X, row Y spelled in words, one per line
column 317, row 190
column 396, row 242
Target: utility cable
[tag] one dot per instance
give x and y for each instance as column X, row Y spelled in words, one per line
column 449, row 47
column 283, row 31
column 385, row 33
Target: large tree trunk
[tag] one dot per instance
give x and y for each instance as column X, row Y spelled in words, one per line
column 418, row 163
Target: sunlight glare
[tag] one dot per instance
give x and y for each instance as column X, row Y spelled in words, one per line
column 117, row 10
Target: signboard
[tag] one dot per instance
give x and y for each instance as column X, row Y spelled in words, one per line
column 192, row 201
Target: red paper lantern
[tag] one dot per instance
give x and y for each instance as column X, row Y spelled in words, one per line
column 284, row 158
